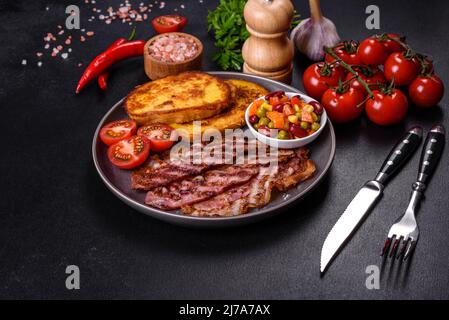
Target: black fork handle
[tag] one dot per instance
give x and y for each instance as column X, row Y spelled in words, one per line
column 400, row 153
column 430, row 156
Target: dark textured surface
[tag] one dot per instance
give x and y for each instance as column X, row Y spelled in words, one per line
column 55, row 211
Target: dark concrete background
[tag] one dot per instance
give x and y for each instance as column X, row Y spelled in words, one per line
column 55, row 211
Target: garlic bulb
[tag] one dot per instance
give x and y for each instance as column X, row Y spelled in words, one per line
column 314, row 33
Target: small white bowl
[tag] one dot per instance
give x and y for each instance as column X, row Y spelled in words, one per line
column 290, row 143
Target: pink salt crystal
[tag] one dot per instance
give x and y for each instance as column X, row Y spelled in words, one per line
column 82, row 39
column 68, row 41
column 90, row 33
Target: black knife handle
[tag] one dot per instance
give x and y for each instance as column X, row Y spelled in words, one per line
column 431, row 153
column 405, row 147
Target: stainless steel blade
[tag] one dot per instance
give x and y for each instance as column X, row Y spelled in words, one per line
column 349, row 221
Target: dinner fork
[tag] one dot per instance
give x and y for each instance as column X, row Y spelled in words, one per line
column 405, row 231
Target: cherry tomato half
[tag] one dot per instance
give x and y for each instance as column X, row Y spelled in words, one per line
column 372, row 52
column 426, row 91
column 400, row 69
column 129, row 153
column 343, row 107
column 319, row 76
column 169, row 23
column 115, row 131
column 386, row 109
column 161, row 136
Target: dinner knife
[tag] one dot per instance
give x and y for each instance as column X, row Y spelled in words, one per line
column 367, row 197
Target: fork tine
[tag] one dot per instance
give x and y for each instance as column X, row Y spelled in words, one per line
column 410, row 249
column 404, row 246
column 395, row 246
column 386, row 247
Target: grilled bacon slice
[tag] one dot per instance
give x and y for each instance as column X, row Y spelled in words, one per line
column 161, row 173
column 235, row 201
column 257, row 192
column 161, row 170
column 201, row 187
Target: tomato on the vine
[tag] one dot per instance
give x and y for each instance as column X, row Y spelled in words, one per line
column 343, row 104
column 391, row 45
column 319, row 76
column 372, row 52
column 389, row 106
column 426, row 91
column 400, row 68
column 423, row 64
column 346, row 51
column 372, row 76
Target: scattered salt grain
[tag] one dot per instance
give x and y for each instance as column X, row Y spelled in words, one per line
column 39, row 64
column 24, row 62
column 64, row 55
column 39, row 54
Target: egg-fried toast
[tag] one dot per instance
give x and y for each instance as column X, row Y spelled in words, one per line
column 242, row 94
column 182, row 98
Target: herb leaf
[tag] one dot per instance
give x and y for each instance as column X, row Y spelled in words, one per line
column 229, row 28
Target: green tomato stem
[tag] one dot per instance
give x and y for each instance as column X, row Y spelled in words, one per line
column 330, row 52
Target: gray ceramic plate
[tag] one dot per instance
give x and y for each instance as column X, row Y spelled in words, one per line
column 118, row 181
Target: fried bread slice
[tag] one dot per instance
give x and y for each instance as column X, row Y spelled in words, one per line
column 182, row 98
column 242, row 94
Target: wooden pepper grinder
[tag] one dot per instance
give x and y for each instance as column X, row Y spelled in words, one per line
column 268, row 52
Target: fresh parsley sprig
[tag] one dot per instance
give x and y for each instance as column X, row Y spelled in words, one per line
column 230, row 33
column 229, row 28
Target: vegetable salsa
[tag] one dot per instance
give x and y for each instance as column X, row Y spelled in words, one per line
column 281, row 117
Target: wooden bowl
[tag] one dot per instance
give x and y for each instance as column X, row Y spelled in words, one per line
column 156, row 69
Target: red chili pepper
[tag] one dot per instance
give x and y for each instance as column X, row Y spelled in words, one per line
column 103, row 78
column 106, row 59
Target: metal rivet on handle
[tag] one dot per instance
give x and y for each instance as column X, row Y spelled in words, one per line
column 406, row 141
column 426, row 163
column 398, row 152
column 390, row 163
column 429, row 151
